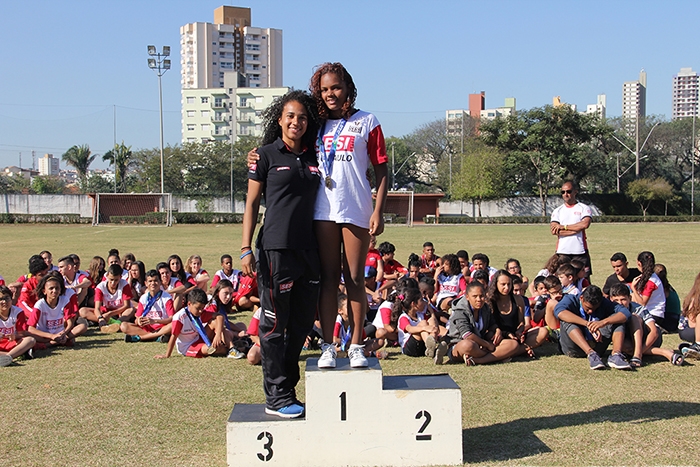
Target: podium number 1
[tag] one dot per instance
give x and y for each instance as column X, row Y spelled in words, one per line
column 428, row 418
column 343, row 407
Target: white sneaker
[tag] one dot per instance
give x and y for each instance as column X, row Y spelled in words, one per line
column 356, row 354
column 328, row 355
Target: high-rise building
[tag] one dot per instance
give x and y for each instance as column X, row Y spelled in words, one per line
column 685, row 94
column 634, row 98
column 48, row 165
column 208, row 50
column 599, row 107
column 224, row 114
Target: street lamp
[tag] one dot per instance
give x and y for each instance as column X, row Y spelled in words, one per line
column 619, row 175
column 160, row 65
column 394, row 172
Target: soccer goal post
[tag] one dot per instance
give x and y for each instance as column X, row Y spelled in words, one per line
column 399, row 208
column 132, row 208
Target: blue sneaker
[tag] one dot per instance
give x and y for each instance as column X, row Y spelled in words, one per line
column 595, row 361
column 289, row 411
column 618, row 361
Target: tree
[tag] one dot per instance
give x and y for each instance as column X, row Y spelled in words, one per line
column 120, row 157
column 15, row 184
column 80, row 158
column 644, row 191
column 46, row 185
column 433, row 148
column 95, row 183
column 481, row 175
column 548, row 143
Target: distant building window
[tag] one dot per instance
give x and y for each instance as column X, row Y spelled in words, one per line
column 190, row 127
column 205, row 127
column 190, row 99
column 205, row 100
column 190, row 113
column 205, row 113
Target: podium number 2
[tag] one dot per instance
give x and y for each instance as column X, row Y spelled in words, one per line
column 343, row 407
column 420, row 436
column 267, row 446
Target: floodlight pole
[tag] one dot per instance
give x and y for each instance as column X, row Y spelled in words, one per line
column 160, row 65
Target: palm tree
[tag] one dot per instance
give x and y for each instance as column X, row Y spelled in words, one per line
column 79, row 157
column 120, row 158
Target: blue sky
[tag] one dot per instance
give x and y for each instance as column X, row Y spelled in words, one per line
column 67, row 65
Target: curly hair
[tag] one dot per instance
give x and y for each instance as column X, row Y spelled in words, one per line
column 315, row 88
column 272, row 114
column 492, row 292
column 647, row 260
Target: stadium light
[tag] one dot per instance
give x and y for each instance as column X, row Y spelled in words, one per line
column 160, row 65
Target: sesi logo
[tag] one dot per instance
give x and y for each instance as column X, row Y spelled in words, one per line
column 286, row 287
column 345, row 143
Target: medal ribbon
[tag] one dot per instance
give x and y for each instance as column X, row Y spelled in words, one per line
column 151, row 301
column 327, row 159
column 198, row 326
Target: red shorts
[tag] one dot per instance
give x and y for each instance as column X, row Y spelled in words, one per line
column 195, row 350
column 6, row 345
column 247, row 287
column 152, row 327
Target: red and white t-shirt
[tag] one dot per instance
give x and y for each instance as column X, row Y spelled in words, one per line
column 383, row 316
column 198, row 276
column 654, row 289
column 185, row 331
column 567, row 215
column 254, row 325
column 16, row 321
column 361, row 142
column 77, row 280
column 161, row 309
column 233, row 278
column 112, row 301
column 52, row 320
column 405, row 321
column 174, row 282
column 450, row 286
column 373, row 258
column 27, row 299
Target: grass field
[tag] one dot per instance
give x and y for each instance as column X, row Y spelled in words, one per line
column 106, row 402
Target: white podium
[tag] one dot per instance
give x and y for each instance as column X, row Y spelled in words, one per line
column 354, row 417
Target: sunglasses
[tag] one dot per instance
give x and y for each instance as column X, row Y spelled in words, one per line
column 566, row 192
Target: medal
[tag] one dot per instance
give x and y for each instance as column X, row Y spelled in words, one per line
column 327, row 158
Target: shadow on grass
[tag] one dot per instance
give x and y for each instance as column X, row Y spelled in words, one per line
column 517, row 439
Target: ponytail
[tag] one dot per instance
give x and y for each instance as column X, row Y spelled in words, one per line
column 646, row 258
column 403, row 301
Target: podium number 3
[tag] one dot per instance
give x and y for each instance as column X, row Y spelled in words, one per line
column 420, row 436
column 267, row 446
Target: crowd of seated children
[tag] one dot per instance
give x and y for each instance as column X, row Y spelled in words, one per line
column 442, row 307
column 342, row 333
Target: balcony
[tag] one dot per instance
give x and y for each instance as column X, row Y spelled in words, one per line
column 218, row 104
column 219, row 117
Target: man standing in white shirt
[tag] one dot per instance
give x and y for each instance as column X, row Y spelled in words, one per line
column 569, row 224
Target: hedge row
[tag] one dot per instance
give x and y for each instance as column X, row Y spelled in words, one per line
column 545, row 220
column 44, row 219
column 183, row 218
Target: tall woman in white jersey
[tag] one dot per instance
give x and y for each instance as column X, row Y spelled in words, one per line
column 344, row 215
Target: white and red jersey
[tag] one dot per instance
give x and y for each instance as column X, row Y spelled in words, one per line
column 429, row 263
column 162, row 308
column 383, row 316
column 53, row 320
column 361, row 142
column 174, row 282
column 567, row 215
column 254, row 323
column 125, row 275
column 112, row 301
column 196, row 277
column 234, row 277
column 450, row 286
column 77, row 280
column 185, row 331
column 654, row 289
column 373, row 258
column 16, row 322
column 405, row 321
column 27, row 298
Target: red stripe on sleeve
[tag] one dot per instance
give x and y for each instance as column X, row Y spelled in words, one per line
column 376, row 148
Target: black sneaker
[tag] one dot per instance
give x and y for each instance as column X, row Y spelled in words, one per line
column 28, row 355
column 128, row 338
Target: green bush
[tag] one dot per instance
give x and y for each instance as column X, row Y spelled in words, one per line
column 545, row 220
column 43, row 219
